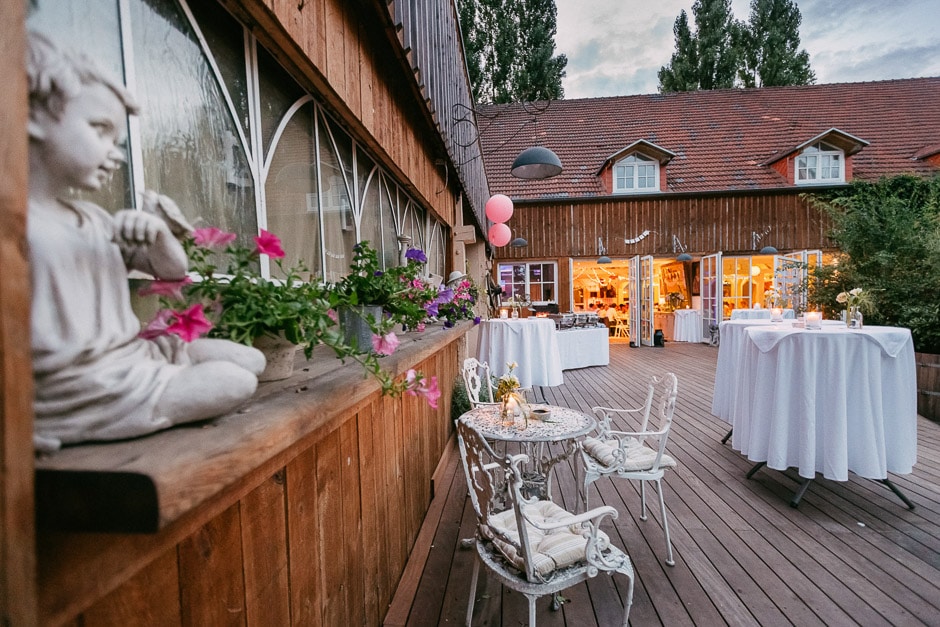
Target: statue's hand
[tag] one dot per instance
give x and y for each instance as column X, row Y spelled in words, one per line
column 136, row 228
column 164, row 207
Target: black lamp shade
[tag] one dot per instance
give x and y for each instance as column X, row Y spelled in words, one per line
column 684, row 257
column 519, row 242
column 536, row 162
column 768, row 250
column 603, row 259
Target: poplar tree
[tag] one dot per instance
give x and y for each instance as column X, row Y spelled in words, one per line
column 510, row 49
column 709, row 58
column 770, row 46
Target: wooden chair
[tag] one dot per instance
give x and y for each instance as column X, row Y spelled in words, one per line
column 637, row 455
column 532, row 546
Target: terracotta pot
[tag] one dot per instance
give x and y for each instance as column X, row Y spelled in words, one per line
column 280, row 354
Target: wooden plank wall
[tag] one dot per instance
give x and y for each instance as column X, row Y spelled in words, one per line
column 704, row 224
column 17, row 558
column 321, row 541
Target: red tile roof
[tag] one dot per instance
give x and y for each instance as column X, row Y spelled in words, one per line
column 721, row 138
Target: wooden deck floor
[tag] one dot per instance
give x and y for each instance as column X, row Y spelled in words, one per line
column 850, row 554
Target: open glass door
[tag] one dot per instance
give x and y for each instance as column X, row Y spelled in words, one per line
column 646, row 301
column 635, row 301
column 710, row 289
column 791, row 276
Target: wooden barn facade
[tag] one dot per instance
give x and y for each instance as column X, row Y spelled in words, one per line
column 722, row 177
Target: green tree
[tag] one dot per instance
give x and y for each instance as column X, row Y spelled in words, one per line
column 681, row 74
column 770, row 46
column 510, row 49
column 707, row 59
column 889, row 235
column 540, row 70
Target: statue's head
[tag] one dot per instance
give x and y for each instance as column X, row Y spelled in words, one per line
column 77, row 120
column 56, row 76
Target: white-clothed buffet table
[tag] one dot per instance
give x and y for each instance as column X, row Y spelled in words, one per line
column 583, row 347
column 831, row 400
column 759, row 314
column 529, row 342
column 687, row 326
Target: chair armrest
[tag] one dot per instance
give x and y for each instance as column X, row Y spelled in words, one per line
column 612, row 410
column 593, row 516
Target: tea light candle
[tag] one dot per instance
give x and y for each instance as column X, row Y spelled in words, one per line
column 504, row 313
column 813, row 320
column 757, row 305
column 776, row 314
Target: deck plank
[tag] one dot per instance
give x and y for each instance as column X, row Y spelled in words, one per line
column 850, row 554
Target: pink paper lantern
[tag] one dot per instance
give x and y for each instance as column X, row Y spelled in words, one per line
column 499, row 235
column 499, row 208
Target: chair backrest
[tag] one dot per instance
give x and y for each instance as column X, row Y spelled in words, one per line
column 495, row 485
column 479, row 389
column 659, row 404
column 658, row 420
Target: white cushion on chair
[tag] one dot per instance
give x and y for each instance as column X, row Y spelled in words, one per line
column 636, row 456
column 549, row 550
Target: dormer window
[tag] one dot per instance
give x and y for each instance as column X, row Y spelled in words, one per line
column 636, row 173
column 820, row 163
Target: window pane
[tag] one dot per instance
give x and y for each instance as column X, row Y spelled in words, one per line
column 226, row 39
column 339, row 229
column 190, row 146
column 278, row 90
column 293, row 209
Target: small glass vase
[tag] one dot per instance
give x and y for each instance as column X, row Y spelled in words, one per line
column 854, row 318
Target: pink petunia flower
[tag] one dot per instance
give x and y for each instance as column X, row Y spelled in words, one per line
column 170, row 289
column 431, row 393
column 384, row 345
column 212, row 237
column 190, row 324
column 333, row 316
column 269, row 244
column 158, row 326
column 421, row 326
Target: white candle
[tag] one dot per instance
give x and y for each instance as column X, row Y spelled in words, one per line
column 757, row 305
column 776, row 314
column 504, row 313
column 813, row 320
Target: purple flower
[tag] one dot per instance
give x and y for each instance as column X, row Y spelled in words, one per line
column 416, row 254
column 476, row 320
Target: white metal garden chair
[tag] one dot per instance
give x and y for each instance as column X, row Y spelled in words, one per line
column 637, row 455
column 479, row 386
column 532, row 546
column 622, row 328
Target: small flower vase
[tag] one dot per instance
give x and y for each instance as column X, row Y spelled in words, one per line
column 507, row 411
column 515, row 312
column 853, row 318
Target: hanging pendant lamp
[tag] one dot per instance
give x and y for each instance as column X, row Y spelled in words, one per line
column 536, row 162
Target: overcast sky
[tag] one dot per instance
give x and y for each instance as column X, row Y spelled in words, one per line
column 616, row 47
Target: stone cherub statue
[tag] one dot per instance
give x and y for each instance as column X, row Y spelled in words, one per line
column 95, row 378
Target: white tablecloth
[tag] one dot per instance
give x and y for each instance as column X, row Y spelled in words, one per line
column 831, row 400
column 688, row 325
column 580, row 348
column 759, row 314
column 530, row 342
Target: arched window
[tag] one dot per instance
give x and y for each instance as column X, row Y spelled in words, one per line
column 636, row 173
